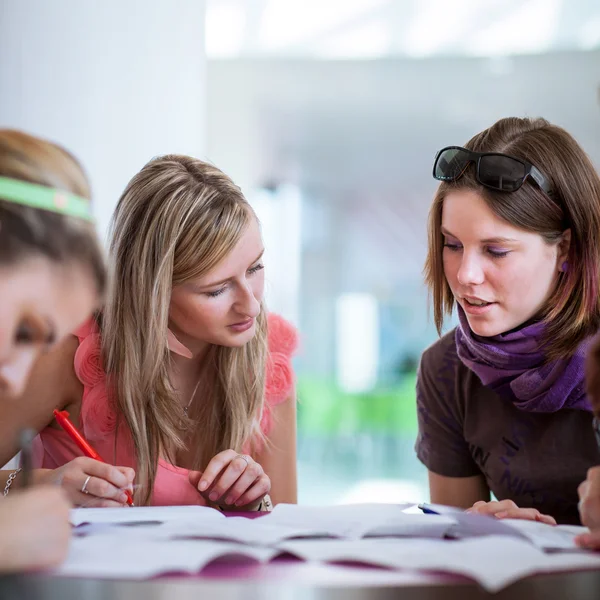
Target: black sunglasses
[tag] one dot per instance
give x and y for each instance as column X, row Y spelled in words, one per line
column 493, row 170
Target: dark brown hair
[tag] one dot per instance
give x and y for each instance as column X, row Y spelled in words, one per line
column 27, row 231
column 572, row 312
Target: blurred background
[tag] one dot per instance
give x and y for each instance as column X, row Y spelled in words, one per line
column 328, row 114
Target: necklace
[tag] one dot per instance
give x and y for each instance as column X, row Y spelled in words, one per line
column 186, row 408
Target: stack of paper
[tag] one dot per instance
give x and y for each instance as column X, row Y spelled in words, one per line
column 148, row 541
column 493, row 561
column 133, row 556
column 143, row 514
column 355, row 521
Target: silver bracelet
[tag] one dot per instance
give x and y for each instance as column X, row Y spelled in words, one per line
column 10, row 479
column 266, row 505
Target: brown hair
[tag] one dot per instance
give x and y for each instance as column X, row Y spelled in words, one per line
column 176, row 220
column 27, row 231
column 572, row 312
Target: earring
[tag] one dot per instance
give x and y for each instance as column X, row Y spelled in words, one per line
column 564, row 267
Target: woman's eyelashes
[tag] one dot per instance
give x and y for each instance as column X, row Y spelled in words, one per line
column 452, row 246
column 251, row 271
column 491, row 250
column 216, row 292
column 498, row 252
column 256, row 268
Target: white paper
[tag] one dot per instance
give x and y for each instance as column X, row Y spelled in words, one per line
column 262, row 532
column 548, row 537
column 355, row 521
column 137, row 514
column 135, row 557
column 493, row 561
column 236, row 529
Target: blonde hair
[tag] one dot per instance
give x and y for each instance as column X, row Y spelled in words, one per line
column 177, row 219
column 28, row 231
column 572, row 312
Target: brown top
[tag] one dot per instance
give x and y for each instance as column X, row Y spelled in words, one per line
column 465, row 429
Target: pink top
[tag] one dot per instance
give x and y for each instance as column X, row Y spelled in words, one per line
column 53, row 448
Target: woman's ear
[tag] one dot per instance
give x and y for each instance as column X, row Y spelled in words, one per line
column 563, row 250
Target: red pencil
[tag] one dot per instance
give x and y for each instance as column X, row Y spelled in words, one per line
column 62, row 418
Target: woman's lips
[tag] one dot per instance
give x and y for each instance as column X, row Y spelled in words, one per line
column 242, row 325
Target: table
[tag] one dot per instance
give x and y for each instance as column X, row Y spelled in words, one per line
column 291, row 579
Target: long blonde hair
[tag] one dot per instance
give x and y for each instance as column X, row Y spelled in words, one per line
column 176, row 220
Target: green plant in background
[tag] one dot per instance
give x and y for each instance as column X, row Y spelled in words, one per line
column 325, row 409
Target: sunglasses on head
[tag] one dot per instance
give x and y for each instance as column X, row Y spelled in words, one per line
column 493, row 170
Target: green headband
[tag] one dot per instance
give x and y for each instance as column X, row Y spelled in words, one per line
column 45, row 198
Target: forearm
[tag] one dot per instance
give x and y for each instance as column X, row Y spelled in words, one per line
column 461, row 492
column 278, row 456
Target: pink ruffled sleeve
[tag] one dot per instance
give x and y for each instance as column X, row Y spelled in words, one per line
column 98, row 416
column 279, row 377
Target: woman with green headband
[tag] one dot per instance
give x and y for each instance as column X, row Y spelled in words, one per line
column 51, row 279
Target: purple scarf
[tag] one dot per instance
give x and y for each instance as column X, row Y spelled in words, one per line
column 512, row 364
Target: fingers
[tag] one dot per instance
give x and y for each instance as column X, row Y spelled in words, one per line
column 214, row 468
column 119, row 477
column 527, row 514
column 589, row 510
column 232, row 479
column 252, row 473
column 101, row 481
column 242, row 470
column 590, row 541
column 194, row 478
column 589, row 499
column 129, row 476
column 90, row 501
column 507, row 509
column 491, row 508
column 103, row 489
column 582, row 489
column 256, row 492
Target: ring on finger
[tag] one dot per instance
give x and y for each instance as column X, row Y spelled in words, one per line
column 244, row 457
column 84, row 486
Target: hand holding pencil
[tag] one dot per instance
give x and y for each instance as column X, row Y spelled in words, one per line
column 88, row 480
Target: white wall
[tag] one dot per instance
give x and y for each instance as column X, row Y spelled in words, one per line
column 358, row 138
column 115, row 81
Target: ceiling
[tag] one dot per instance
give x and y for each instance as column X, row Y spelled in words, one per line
column 367, row 29
column 299, row 93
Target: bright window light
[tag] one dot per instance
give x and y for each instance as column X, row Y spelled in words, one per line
column 291, row 22
column 514, row 33
column 279, row 213
column 367, row 29
column 372, row 40
column 224, row 29
column 357, row 342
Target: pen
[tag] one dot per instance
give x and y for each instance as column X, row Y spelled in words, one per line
column 62, row 418
column 439, row 509
column 25, row 439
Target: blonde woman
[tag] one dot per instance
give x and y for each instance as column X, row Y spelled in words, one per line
column 183, row 377
column 51, row 279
